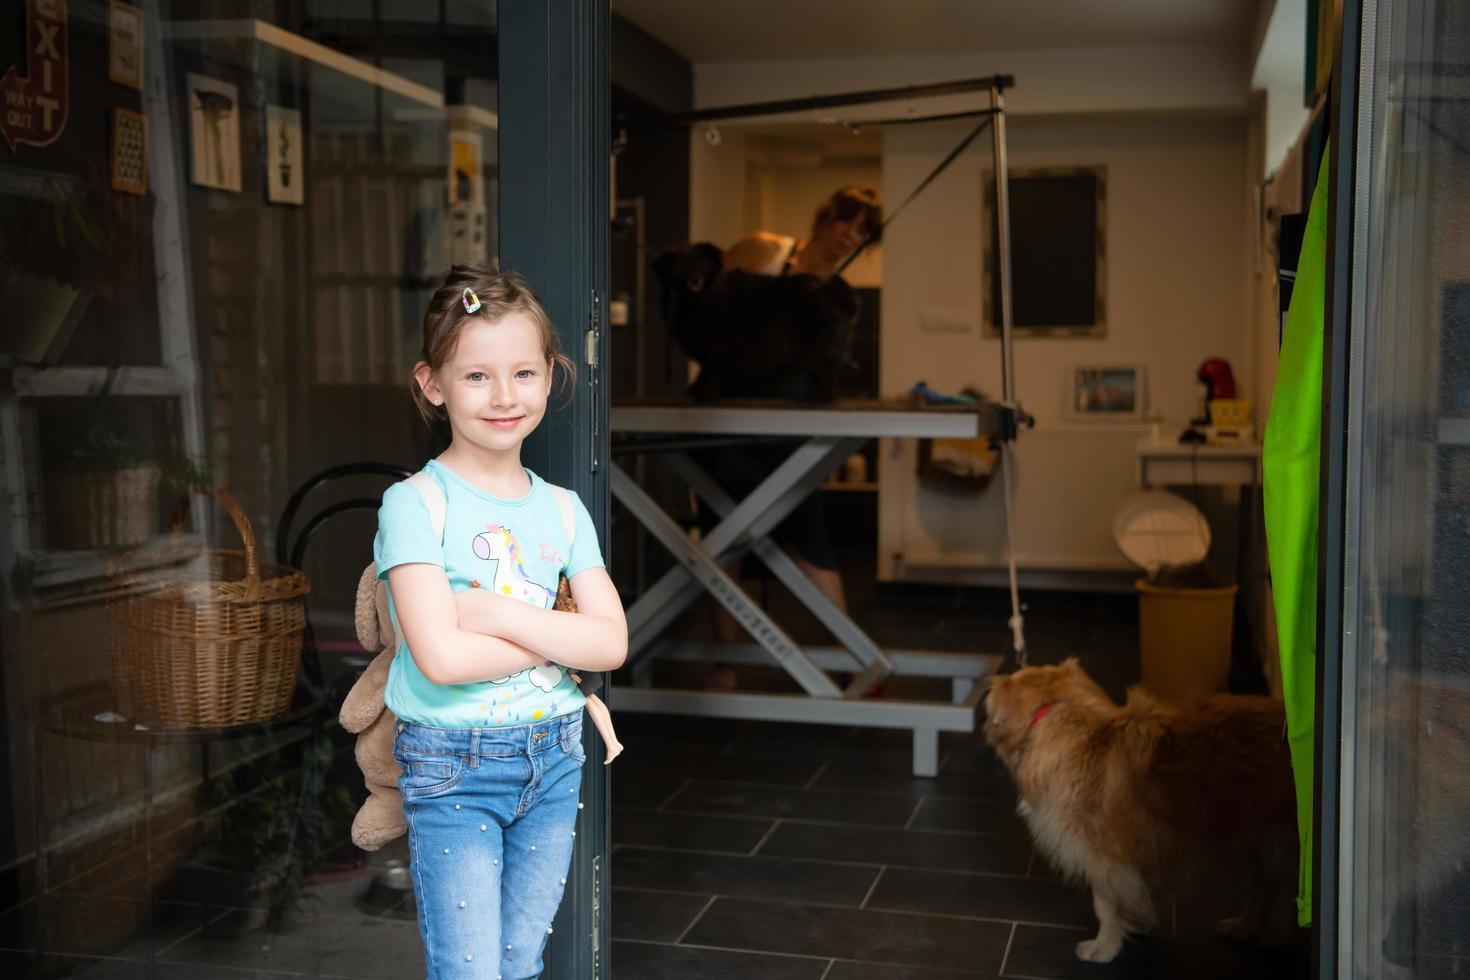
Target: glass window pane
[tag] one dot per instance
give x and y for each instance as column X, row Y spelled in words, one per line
column 219, row 225
column 1405, row 875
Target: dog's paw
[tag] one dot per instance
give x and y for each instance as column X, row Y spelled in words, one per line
column 1098, row 950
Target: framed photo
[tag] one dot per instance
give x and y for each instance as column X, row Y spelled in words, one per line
column 1106, row 391
column 214, row 132
column 1058, row 222
column 125, row 44
column 285, row 177
column 129, row 152
column 466, row 217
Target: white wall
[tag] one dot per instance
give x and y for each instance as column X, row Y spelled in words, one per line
column 742, row 186
column 1168, row 123
column 794, row 195
column 1176, row 269
column 717, row 185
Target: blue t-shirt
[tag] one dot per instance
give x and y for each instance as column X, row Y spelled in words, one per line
column 515, row 547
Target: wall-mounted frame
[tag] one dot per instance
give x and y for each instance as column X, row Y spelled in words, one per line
column 214, row 132
column 1115, row 391
column 1058, row 221
column 125, row 44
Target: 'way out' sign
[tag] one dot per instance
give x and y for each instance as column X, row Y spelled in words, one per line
column 33, row 105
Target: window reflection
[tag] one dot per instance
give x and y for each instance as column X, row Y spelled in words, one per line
column 214, row 252
column 1404, row 874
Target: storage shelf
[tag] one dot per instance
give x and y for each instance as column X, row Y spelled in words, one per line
column 71, row 382
column 55, row 568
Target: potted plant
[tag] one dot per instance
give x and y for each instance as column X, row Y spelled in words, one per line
column 103, row 491
column 274, row 823
column 75, row 241
column 47, row 265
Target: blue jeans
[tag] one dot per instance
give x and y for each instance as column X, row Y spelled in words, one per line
column 491, row 815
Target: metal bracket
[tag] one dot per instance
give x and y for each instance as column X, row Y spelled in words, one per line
column 592, row 339
column 1012, row 418
column 597, row 917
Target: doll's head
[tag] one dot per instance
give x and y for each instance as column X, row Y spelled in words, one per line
column 490, row 358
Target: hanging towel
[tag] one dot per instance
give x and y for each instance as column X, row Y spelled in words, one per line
column 1291, row 468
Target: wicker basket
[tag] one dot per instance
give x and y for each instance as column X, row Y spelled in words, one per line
column 207, row 638
column 101, row 508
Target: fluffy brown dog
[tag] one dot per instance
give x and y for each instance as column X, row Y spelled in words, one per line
column 1126, row 796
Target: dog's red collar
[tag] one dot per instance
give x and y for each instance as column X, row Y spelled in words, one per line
column 1041, row 713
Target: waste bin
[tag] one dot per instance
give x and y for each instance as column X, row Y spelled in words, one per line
column 1184, row 627
column 1184, row 639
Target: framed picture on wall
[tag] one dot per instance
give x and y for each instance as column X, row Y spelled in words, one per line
column 1106, row 391
column 285, row 178
column 129, row 152
column 125, row 44
column 214, row 132
column 1058, row 222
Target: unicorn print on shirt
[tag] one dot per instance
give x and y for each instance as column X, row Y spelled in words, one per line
column 508, row 577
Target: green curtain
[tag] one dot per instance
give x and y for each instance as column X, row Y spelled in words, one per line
column 1291, row 474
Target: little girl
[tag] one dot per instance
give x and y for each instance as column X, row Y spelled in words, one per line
column 490, row 721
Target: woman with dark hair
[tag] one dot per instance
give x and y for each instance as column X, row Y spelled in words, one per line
column 845, row 223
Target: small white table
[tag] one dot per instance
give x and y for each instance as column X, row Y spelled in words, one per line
column 1164, row 462
column 831, row 434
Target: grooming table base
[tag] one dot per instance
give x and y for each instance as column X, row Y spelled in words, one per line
column 926, row 719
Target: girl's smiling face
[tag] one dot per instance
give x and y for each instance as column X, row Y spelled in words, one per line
column 495, row 387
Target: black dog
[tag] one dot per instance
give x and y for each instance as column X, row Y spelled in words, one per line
column 755, row 336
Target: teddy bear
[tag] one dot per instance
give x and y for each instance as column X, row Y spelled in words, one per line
column 380, row 819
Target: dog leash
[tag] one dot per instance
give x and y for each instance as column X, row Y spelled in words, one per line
column 1017, row 622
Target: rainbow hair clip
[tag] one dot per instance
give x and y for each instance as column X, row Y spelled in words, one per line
column 470, row 300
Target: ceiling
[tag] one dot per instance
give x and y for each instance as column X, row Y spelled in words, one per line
column 783, row 30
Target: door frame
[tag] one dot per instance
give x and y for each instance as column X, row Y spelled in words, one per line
column 554, row 229
column 1333, row 753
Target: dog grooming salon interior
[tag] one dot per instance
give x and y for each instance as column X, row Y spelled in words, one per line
column 1030, row 440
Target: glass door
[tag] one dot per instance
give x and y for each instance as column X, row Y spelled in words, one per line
column 1402, row 329
column 219, row 226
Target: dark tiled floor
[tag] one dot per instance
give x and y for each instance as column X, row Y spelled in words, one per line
column 742, row 850
column 749, row 849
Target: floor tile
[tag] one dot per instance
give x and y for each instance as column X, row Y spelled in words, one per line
column 378, row 949
column 997, row 817
column 983, row 896
column 708, row 796
column 906, row 848
column 781, row 772
column 308, row 944
column 688, row 831
column 775, row 880
column 96, row 926
column 652, row 961
column 970, row 753
column 853, row 970
column 849, row 778
column 1050, row 954
column 118, row 969
column 646, row 789
column 653, row 916
column 878, row 937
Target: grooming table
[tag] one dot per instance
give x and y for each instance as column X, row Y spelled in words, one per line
column 831, row 434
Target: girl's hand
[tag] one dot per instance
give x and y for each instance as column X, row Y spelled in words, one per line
column 445, row 651
column 477, row 610
column 593, row 638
